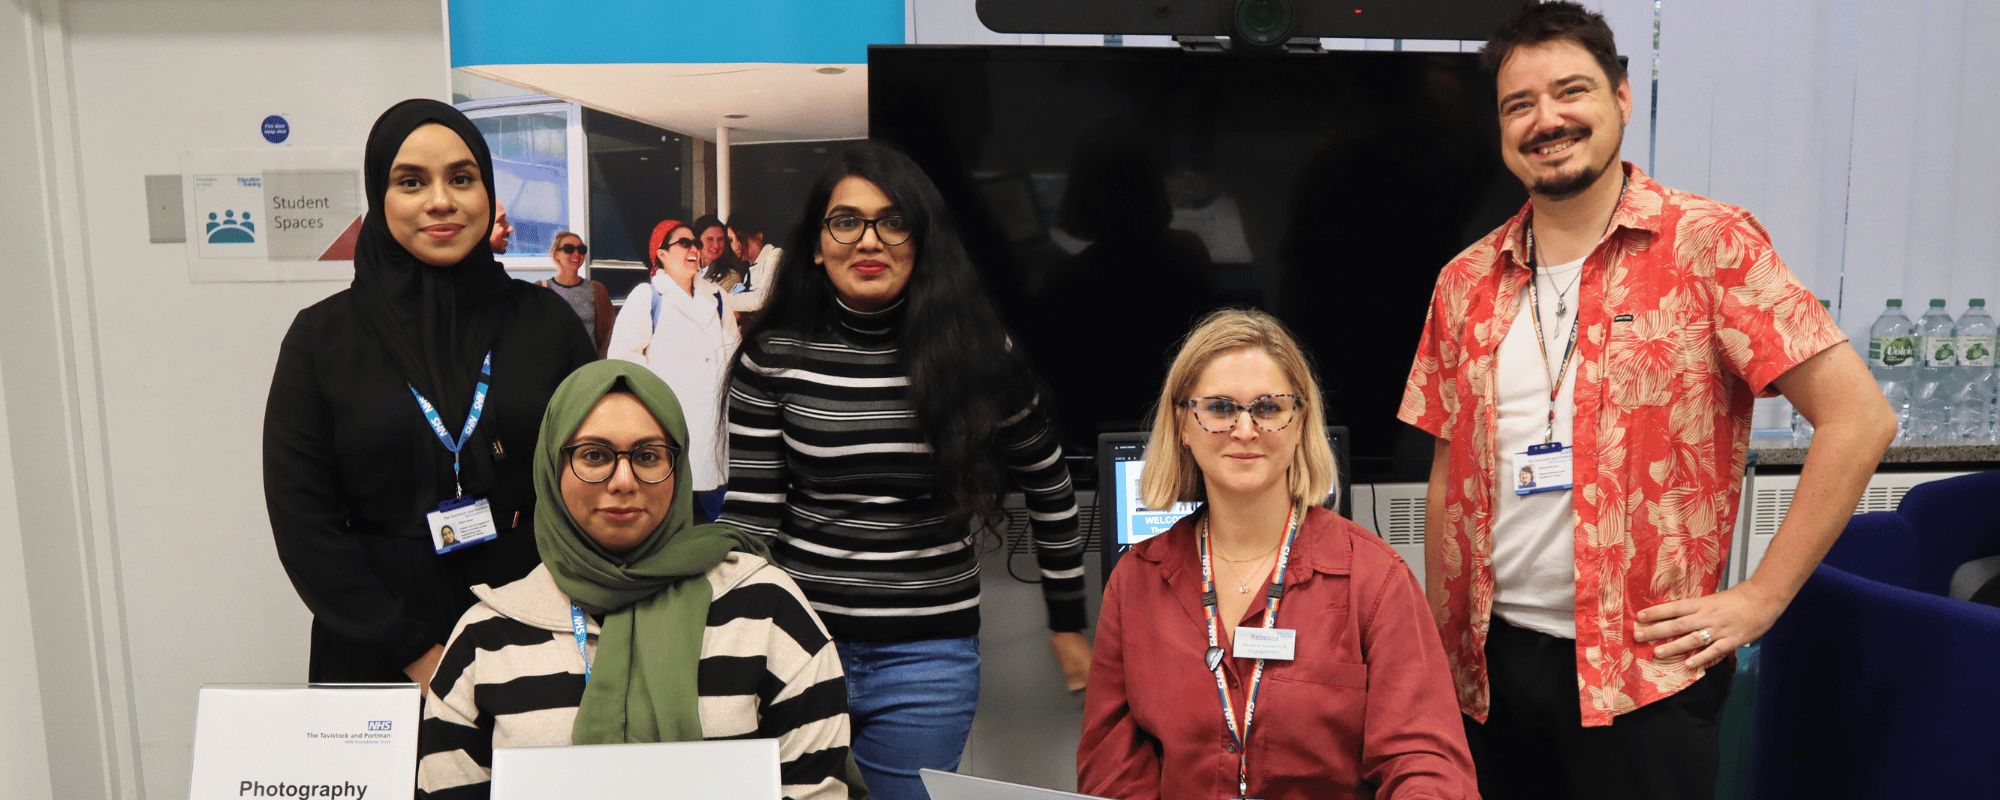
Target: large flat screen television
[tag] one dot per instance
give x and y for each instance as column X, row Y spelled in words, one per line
column 1112, row 195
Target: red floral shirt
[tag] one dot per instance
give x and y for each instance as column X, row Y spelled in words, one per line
column 1687, row 315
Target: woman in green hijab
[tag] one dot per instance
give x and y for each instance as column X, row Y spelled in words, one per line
column 687, row 631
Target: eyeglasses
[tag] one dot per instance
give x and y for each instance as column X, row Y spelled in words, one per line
column 1272, row 412
column 595, row 463
column 848, row 229
column 576, row 249
column 681, row 242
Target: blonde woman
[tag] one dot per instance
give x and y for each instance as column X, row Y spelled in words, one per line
column 589, row 299
column 1262, row 617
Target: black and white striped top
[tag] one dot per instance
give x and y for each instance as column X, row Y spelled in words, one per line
column 825, row 457
column 511, row 677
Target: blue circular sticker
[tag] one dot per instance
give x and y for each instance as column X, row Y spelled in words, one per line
column 276, row 129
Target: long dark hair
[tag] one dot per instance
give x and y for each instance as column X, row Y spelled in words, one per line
column 965, row 377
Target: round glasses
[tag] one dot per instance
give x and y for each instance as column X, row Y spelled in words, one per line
column 848, row 229
column 594, row 463
column 577, row 249
column 1272, row 412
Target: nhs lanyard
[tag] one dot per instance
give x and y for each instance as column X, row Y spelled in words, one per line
column 576, row 624
column 471, row 417
column 1214, row 655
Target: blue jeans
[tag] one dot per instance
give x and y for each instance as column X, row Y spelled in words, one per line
column 911, row 704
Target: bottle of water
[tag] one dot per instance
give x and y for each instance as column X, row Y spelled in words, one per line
column 1930, row 396
column 1802, row 428
column 1892, row 357
column 1973, row 402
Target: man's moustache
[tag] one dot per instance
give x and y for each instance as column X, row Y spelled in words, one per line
column 1554, row 136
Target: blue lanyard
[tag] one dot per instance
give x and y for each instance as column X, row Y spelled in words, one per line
column 576, row 624
column 471, row 417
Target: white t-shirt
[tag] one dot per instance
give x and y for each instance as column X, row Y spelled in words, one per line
column 1534, row 536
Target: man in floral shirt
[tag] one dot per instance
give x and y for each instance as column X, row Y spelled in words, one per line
column 1607, row 342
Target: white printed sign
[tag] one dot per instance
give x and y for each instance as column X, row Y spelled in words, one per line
column 277, row 214
column 356, row 742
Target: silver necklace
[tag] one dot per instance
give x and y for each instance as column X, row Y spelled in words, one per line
column 1562, row 298
column 1562, row 304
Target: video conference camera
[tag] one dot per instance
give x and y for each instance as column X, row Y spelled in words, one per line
column 1254, row 24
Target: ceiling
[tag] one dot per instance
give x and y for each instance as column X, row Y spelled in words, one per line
column 780, row 102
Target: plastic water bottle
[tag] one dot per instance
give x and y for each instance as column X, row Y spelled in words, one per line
column 1937, row 362
column 1973, row 401
column 1892, row 357
column 1802, row 428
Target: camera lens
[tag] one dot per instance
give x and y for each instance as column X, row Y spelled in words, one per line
column 1263, row 23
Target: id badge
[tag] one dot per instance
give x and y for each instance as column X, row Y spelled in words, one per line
column 1543, row 468
column 1276, row 644
column 461, row 523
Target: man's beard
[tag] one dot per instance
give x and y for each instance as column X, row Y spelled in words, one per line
column 1560, row 187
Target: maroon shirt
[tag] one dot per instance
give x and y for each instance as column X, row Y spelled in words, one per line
column 1368, row 697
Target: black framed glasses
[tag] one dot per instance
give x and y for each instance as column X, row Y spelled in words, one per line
column 848, row 229
column 576, row 249
column 592, row 462
column 681, row 242
column 1272, row 412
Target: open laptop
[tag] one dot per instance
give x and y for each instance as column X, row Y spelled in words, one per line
column 953, row 786
column 743, row 769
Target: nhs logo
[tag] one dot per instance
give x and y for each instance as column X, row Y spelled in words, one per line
column 378, row 724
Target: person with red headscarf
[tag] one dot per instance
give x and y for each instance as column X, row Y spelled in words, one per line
column 679, row 325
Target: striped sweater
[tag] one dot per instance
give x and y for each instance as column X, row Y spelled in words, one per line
column 826, row 458
column 511, row 677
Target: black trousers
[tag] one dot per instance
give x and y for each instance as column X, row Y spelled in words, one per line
column 1534, row 745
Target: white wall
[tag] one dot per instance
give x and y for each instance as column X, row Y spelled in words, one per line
column 179, row 581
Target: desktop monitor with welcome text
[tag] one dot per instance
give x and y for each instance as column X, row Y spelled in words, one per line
column 1126, row 520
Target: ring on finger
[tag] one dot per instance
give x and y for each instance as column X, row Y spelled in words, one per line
column 1705, row 638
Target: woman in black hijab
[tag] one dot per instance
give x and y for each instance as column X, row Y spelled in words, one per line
column 372, row 394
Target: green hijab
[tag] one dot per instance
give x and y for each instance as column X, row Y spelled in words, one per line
column 642, row 688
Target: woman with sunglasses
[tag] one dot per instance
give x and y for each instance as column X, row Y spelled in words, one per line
column 406, row 405
column 679, row 325
column 1261, row 609
column 876, row 413
column 591, row 301
column 641, row 626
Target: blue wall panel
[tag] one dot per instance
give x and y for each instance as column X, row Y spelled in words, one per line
column 639, row 32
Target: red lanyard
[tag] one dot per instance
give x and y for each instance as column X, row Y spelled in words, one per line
column 1214, row 655
column 1535, row 304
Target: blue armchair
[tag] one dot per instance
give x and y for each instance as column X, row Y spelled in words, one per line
column 1956, row 520
column 1871, row 690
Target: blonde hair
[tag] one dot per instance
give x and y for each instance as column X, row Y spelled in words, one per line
column 1171, row 475
column 555, row 244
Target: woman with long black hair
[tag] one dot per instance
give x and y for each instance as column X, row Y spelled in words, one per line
column 876, row 412
column 406, row 405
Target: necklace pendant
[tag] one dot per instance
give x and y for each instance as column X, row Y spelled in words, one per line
column 1562, row 308
column 1242, row 589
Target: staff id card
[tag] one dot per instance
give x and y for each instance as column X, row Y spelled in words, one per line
column 1277, row 644
column 462, row 522
column 1543, row 468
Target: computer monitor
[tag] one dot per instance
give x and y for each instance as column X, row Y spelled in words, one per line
column 1125, row 520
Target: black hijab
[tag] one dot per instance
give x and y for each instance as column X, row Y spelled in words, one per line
column 436, row 322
